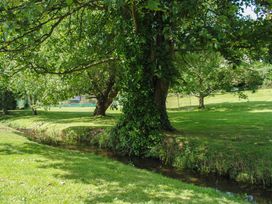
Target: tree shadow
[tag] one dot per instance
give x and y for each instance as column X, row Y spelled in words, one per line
column 63, row 117
column 110, row 181
column 246, row 123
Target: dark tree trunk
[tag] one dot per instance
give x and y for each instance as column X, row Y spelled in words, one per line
column 161, row 91
column 164, row 64
column 105, row 99
column 100, row 108
column 5, row 102
column 34, row 111
column 201, row 104
column 5, row 111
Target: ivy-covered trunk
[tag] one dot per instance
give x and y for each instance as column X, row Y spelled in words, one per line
column 4, row 103
column 148, row 61
column 5, row 110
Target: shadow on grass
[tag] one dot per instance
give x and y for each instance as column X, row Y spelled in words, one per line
column 62, row 117
column 110, row 180
column 246, row 123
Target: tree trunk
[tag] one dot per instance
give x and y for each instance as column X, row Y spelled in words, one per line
column 163, row 60
column 106, row 98
column 100, row 108
column 5, row 103
column 161, row 92
column 201, row 102
column 148, row 55
column 32, row 104
column 34, row 111
column 5, row 111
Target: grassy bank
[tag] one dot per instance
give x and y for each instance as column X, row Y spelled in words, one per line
column 36, row 173
column 232, row 138
column 227, row 139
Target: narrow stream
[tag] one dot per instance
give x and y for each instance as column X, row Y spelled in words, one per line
column 254, row 194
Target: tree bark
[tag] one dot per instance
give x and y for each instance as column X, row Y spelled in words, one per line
column 32, row 104
column 201, row 102
column 164, row 64
column 161, row 92
column 100, row 108
column 105, row 99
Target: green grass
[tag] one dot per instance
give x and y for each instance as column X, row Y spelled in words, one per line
column 187, row 101
column 231, row 137
column 36, row 173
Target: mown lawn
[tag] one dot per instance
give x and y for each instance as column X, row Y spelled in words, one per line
column 36, row 173
column 231, row 137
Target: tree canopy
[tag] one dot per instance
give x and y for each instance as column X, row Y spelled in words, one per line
column 66, row 36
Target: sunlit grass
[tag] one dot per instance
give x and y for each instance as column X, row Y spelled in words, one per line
column 35, row 173
column 185, row 101
column 236, row 135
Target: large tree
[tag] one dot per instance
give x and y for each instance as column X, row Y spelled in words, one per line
column 146, row 35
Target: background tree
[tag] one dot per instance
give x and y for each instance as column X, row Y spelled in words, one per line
column 7, row 101
column 100, row 81
column 202, row 74
column 7, row 97
column 39, row 90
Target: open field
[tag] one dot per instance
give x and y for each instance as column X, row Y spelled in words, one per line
column 35, row 173
column 185, row 101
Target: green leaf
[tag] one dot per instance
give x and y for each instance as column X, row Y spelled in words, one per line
column 69, row 2
column 153, row 5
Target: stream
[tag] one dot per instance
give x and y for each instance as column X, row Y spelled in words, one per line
column 251, row 193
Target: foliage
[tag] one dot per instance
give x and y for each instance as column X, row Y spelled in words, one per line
column 206, row 73
column 202, row 74
column 247, row 77
column 143, row 35
column 100, row 82
column 40, row 90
